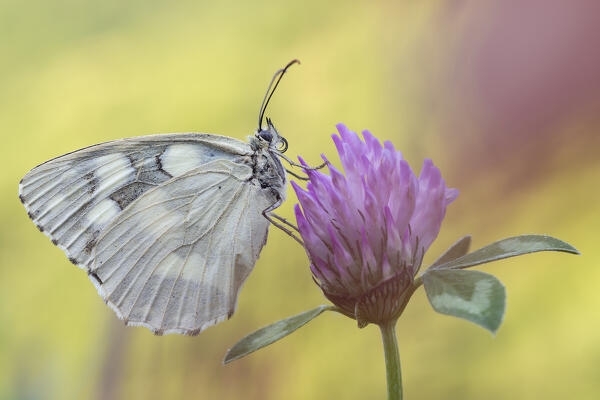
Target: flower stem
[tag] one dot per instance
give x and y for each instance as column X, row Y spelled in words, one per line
column 392, row 360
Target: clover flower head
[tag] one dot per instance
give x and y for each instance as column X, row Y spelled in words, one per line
column 366, row 232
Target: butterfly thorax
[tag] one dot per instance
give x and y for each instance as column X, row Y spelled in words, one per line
column 268, row 172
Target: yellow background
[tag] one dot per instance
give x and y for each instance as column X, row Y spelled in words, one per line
column 463, row 83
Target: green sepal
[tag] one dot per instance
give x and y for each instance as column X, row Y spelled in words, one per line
column 272, row 333
column 472, row 295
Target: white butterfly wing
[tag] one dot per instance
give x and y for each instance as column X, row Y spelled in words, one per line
column 72, row 198
column 175, row 260
column 168, row 227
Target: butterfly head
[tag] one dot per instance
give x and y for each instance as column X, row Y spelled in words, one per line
column 271, row 139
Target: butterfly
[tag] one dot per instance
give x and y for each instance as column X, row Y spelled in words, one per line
column 168, row 227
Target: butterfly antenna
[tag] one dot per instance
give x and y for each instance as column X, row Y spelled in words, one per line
column 278, row 75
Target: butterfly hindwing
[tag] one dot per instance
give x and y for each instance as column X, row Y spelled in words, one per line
column 175, row 260
column 73, row 198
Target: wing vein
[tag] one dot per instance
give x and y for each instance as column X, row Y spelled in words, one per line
column 210, row 245
column 235, row 243
column 194, row 195
column 146, row 283
column 137, row 247
column 187, row 258
column 77, row 178
column 133, row 281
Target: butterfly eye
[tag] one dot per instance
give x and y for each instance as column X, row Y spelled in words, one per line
column 266, row 135
column 282, row 146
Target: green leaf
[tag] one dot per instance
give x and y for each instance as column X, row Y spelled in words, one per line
column 510, row 247
column 458, row 249
column 272, row 333
column 472, row 295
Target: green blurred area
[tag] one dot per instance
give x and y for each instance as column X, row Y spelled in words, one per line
column 77, row 73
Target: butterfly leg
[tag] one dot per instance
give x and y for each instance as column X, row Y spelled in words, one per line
column 285, row 221
column 304, row 178
column 269, row 216
column 300, row 165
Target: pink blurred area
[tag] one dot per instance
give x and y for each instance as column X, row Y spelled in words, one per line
column 521, row 80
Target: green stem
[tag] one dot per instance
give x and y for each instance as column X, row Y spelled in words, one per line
column 392, row 360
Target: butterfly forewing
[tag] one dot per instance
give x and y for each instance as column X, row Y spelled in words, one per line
column 74, row 197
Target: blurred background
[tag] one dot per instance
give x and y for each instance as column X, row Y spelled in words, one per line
column 503, row 96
